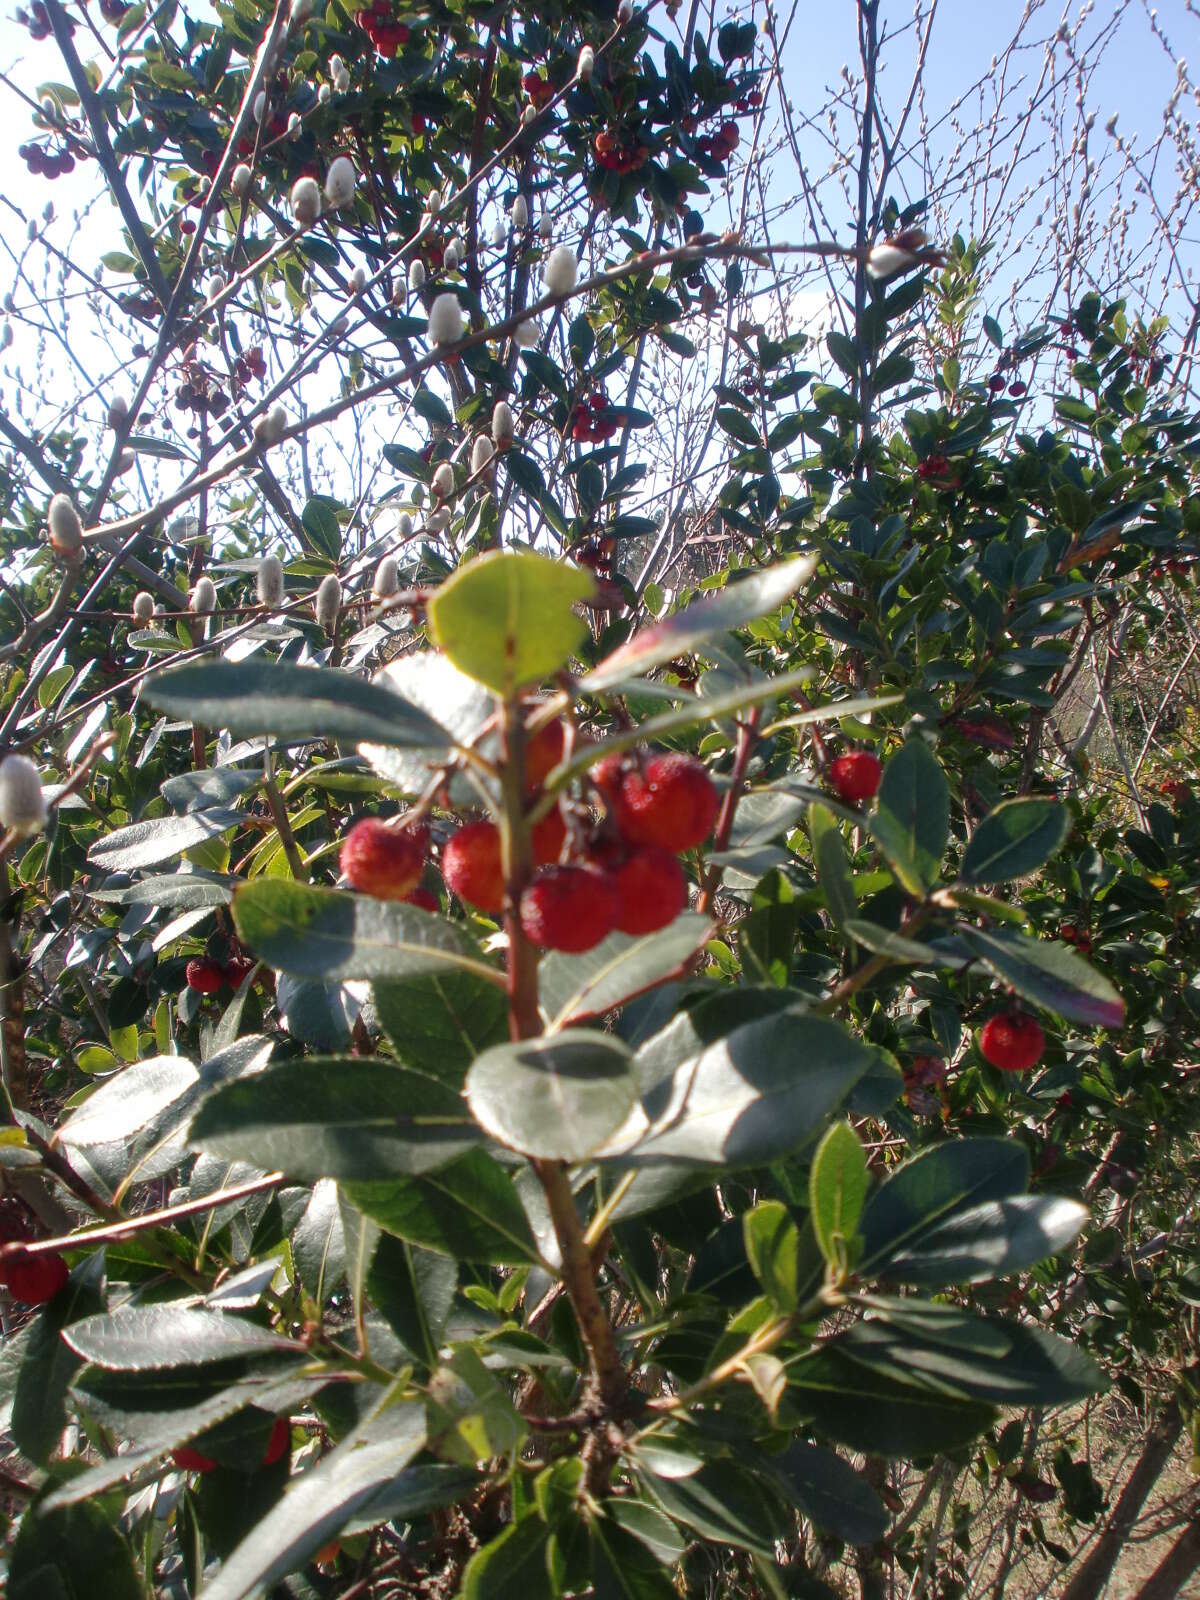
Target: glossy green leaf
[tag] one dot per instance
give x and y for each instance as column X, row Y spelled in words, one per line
column 772, row 1242
column 573, row 988
column 557, row 1097
column 940, row 1182
column 144, row 844
column 722, row 1502
column 438, row 1022
column 414, row 1289
column 319, row 1243
column 911, row 820
column 987, row 1241
column 831, row 1494
column 146, row 1337
column 1014, row 840
column 70, row 1552
column 879, row 1413
column 1050, row 974
column 469, row 1210
column 513, row 1563
column 833, row 867
column 622, row 1569
column 838, row 1182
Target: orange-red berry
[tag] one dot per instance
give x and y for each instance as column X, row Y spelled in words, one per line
column 382, row 861
column 671, row 802
column 855, row 776
column 279, row 1443
column 189, row 1460
column 652, row 889
column 472, row 868
column 424, row 898
column 205, row 976
column 569, row 908
column 543, row 752
column 1012, row 1041
column 547, row 838
column 34, row 1279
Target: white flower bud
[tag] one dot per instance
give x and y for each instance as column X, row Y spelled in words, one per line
column 502, row 424
column 357, row 281
column 625, row 12
column 65, row 528
column 31, row 231
column 336, row 66
column 587, row 63
column 203, row 598
column 118, row 412
column 6, row 336
column 434, row 202
column 341, row 83
column 125, row 461
column 404, row 525
column 498, row 234
column 269, row 581
column 481, row 454
column 305, row 200
column 268, row 429
column 526, row 334
column 561, row 270
column 260, row 105
column 520, row 212
column 884, row 259
column 445, row 320
column 214, row 286
column 452, row 255
column 143, row 606
column 387, row 579
column 328, row 602
column 437, row 520
column 295, row 126
column 324, row 95
column 239, row 179
column 545, row 226
column 300, row 13
column 528, row 117
column 443, row 480
column 340, row 181
column 418, row 494
column 22, row 803
column 416, row 275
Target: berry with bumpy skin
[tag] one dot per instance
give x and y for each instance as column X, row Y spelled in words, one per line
column 238, row 970
column 547, row 838
column 204, row 976
column 652, row 888
column 855, row 776
column 382, row 861
column 34, row 1279
column 671, row 803
column 569, row 908
column 472, row 868
column 543, row 752
column 424, row 899
column 1012, row 1041
column 189, row 1460
column 279, row 1443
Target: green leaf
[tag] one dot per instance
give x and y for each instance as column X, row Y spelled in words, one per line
column 838, row 1182
column 439, row 1022
column 622, row 1569
column 508, row 618
column 938, row 1183
column 361, row 1479
column 70, row 1552
column 166, row 891
column 469, row 1210
column 513, row 1563
column 143, row 844
column 773, row 1247
column 330, row 934
column 471, row 1414
column 557, row 1097
column 887, row 942
column 987, row 1241
column 264, row 697
column 881, row 1414
column 833, row 867
column 911, row 821
column 575, row 988
column 355, row 1117
column 319, row 1243
column 428, row 405
column 322, row 530
column 831, row 1494
column 414, row 1290
column 150, row 1337
column 647, row 1524
column 1050, row 974
column 721, row 1502
column 736, row 605
column 47, row 1365
column 1014, row 840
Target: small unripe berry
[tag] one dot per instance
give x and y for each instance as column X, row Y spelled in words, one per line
column 652, row 889
column 34, row 1279
column 143, row 606
column 671, row 803
column 445, row 320
column 305, row 201
column 382, row 861
column 526, row 334
column 64, row 526
column 442, row 482
column 569, row 908
column 1012, row 1041
column 260, row 105
column 356, row 282
column 625, row 12
column 203, row 597
column 340, row 181
column 341, row 83
column 328, row 602
column 336, row 66
column 498, row 234
column 204, row 976
column 587, row 63
column 387, row 579
column 324, row 95
column 855, row 776
column 481, row 454
column 269, row 581
column 118, row 412
column 434, row 203
column 452, row 255
column 437, row 520
column 502, row 424
column 22, row 803
column 561, row 271
column 472, row 867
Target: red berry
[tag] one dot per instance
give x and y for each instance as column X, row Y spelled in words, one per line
column 386, row 862
column 855, row 776
column 543, row 752
column 671, row 803
column 730, row 135
column 1012, row 1041
column 652, row 888
column 279, row 1443
column 34, row 1279
column 472, row 868
column 189, row 1460
column 569, row 908
column 238, row 970
column 205, row 976
column 548, row 837
column 424, row 898
column 1016, row 390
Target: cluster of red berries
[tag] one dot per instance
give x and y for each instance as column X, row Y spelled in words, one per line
column 998, row 382
column 44, row 162
column 37, row 20
column 1012, row 1040
column 250, row 364
column 538, row 88
column 934, row 468
column 188, row 1459
column 855, row 776
column 206, row 976
column 385, row 31
column 595, row 420
column 720, row 146
column 749, row 102
column 1069, row 933
column 617, row 154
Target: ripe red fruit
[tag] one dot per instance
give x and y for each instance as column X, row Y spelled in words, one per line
column 279, row 1443
column 471, row 866
column 238, row 970
column 671, row 803
column 189, row 1460
column 543, row 752
column 569, row 908
column 547, row 838
column 382, row 861
column 424, row 898
column 205, row 976
column 34, row 1279
column 652, row 889
column 1012, row 1041
column 855, row 776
